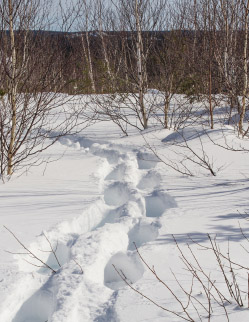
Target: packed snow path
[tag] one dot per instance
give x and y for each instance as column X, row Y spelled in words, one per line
column 134, row 205
column 103, row 235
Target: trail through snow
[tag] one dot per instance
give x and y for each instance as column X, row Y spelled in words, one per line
column 134, row 199
column 127, row 211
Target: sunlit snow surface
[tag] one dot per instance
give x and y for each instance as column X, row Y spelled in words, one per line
column 103, row 194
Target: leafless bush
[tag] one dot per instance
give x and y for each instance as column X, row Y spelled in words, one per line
column 215, row 294
column 238, row 146
column 118, row 108
column 185, row 155
column 33, row 112
column 32, row 255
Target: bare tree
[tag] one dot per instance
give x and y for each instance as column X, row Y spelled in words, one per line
column 85, row 24
column 226, row 24
column 33, row 113
column 101, row 12
column 140, row 19
column 245, row 6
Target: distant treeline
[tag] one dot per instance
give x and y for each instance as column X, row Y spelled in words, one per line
column 106, row 62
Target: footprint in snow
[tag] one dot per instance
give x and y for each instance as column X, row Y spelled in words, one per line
column 143, row 233
column 129, row 266
column 117, row 194
column 112, row 156
column 117, row 173
column 146, row 160
column 150, row 180
column 158, row 202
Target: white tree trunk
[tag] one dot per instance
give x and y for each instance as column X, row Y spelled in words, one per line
column 12, row 90
column 140, row 62
column 88, row 57
column 106, row 58
column 245, row 70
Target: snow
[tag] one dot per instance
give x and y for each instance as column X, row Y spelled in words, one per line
column 105, row 193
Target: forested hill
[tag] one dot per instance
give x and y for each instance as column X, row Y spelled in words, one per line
column 106, row 61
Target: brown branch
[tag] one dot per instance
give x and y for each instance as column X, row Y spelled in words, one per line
column 29, row 252
column 149, row 299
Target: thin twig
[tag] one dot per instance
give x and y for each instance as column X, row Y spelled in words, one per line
column 29, row 252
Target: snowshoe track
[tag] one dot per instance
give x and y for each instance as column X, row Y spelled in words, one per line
column 129, row 211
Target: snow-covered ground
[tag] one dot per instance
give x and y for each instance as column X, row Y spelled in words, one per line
column 107, row 192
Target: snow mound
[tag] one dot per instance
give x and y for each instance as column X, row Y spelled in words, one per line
column 88, row 220
column 187, row 134
column 129, row 264
column 157, row 202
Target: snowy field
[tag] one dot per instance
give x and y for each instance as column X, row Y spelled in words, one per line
column 106, row 192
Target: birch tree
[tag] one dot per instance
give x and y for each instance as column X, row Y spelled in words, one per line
column 33, row 115
column 140, row 18
column 86, row 43
column 226, row 24
column 245, row 5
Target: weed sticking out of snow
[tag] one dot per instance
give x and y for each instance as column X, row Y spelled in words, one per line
column 62, row 253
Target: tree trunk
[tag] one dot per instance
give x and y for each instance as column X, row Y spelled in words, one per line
column 140, row 67
column 12, row 90
column 166, row 112
column 106, row 58
column 88, row 57
column 210, row 94
column 245, row 69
